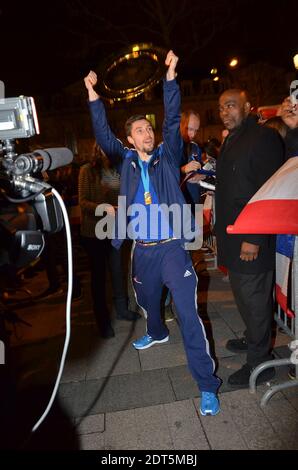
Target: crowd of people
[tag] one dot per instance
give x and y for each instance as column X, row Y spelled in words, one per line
column 149, row 175
column 248, row 156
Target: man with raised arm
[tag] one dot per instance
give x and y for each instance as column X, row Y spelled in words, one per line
column 150, row 177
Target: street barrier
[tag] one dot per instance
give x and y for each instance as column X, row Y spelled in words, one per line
column 288, row 321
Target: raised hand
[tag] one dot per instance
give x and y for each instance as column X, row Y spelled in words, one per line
column 90, row 82
column 171, row 62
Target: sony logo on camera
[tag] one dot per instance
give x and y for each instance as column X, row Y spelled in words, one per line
column 32, row 247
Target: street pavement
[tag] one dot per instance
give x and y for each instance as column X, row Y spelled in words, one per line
column 112, row 397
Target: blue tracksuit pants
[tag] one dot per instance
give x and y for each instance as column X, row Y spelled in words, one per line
column 169, row 264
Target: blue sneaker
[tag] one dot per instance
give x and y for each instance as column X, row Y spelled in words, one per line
column 147, row 341
column 209, row 404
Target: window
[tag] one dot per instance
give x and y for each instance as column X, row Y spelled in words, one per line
column 151, row 118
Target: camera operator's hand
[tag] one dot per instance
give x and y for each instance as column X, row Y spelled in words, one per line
column 191, row 166
column 196, row 178
column 90, row 82
column 289, row 113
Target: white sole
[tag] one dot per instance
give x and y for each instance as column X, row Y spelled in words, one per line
column 209, row 414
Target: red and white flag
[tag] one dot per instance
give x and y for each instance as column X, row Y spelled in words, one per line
column 274, row 208
column 284, row 255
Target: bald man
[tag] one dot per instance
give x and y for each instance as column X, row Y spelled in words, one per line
column 192, row 156
column 249, row 155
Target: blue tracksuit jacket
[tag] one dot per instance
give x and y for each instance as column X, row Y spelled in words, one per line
column 164, row 167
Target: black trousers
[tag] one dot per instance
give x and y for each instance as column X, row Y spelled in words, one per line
column 103, row 256
column 254, row 298
column 55, row 253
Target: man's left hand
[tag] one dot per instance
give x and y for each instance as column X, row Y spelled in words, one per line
column 249, row 252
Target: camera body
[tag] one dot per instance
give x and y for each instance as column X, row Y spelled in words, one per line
column 18, row 118
column 22, row 184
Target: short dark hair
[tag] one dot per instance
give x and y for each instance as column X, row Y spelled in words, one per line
column 211, row 149
column 238, row 91
column 131, row 120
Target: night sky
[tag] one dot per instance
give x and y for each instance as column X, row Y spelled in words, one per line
column 45, row 46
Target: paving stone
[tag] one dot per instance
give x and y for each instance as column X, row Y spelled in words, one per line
column 251, row 421
column 174, row 332
column 93, row 441
column 139, row 429
column 134, row 329
column 230, row 314
column 90, row 424
column 220, row 430
column 218, row 333
column 85, row 341
column 38, row 328
column 37, row 363
column 209, row 307
column 153, row 430
column 124, row 392
column 185, row 428
column 74, row 371
column 292, row 396
column 183, row 384
column 121, row 431
column 207, row 314
column 220, row 295
column 115, row 357
column 284, row 420
column 69, row 397
column 163, row 356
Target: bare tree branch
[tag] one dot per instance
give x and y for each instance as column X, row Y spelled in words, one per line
column 151, row 20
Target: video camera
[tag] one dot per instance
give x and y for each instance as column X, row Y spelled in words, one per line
column 27, row 205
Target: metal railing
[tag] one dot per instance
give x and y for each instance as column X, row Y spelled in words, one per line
column 290, row 326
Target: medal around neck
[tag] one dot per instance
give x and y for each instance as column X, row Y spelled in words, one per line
column 147, row 197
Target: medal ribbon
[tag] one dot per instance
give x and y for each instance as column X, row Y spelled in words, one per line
column 144, row 176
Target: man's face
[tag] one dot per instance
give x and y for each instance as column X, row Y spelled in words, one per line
column 142, row 136
column 233, row 109
column 190, row 128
